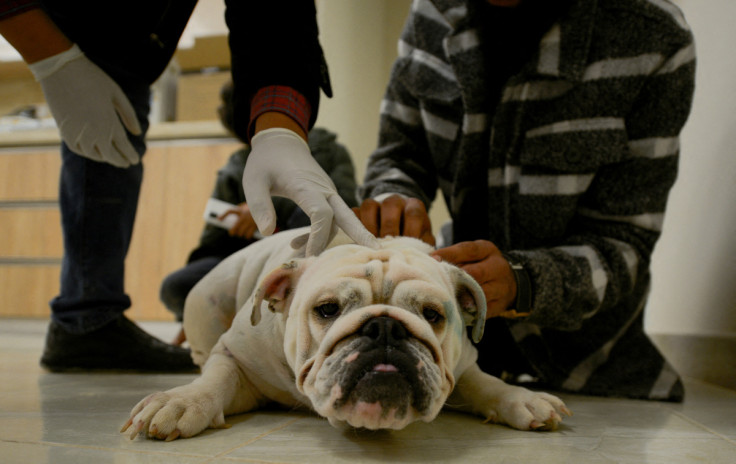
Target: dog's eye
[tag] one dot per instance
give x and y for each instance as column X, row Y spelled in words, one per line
column 327, row 310
column 431, row 315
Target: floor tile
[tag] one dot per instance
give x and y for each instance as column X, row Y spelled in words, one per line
column 601, row 431
column 23, row 453
column 711, row 407
column 65, row 418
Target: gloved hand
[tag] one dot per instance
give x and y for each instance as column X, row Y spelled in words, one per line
column 281, row 164
column 90, row 109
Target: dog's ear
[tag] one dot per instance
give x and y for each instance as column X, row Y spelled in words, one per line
column 275, row 289
column 470, row 300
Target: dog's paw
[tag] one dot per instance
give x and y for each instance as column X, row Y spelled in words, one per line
column 180, row 412
column 526, row 410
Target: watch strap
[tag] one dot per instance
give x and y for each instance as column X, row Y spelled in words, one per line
column 523, row 303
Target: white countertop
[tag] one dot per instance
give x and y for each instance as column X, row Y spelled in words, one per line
column 162, row 131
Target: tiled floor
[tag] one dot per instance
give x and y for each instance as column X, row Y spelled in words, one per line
column 55, row 418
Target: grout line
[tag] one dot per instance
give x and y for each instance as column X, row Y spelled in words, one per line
column 253, row 440
column 710, row 384
column 236, row 459
column 704, row 427
column 24, row 261
column 105, row 448
column 29, row 204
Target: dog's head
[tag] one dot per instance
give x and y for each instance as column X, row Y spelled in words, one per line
column 373, row 335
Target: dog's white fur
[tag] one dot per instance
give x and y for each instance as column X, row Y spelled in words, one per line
column 257, row 325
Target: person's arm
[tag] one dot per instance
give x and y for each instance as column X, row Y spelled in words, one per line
column 402, row 163
column 268, row 62
column 90, row 110
column 607, row 251
column 34, row 35
column 273, row 119
column 279, row 49
column 400, row 183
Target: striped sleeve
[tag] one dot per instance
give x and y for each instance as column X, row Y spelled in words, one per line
column 620, row 214
column 402, row 162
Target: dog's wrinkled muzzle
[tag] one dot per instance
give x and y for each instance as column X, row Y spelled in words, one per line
column 380, row 367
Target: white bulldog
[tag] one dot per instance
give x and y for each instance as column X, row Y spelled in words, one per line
column 371, row 338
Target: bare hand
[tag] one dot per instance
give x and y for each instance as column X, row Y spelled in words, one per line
column 485, row 263
column 245, row 227
column 180, row 338
column 396, row 216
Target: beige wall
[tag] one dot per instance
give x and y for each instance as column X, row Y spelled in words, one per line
column 694, row 265
column 360, row 39
column 17, row 87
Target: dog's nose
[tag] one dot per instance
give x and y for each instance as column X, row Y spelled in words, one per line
column 384, row 329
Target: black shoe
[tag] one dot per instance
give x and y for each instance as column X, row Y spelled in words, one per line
column 118, row 346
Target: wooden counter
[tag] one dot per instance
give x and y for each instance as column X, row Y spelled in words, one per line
column 180, row 169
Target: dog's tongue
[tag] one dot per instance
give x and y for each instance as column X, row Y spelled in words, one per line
column 385, row 368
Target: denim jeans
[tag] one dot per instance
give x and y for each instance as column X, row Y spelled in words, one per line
column 98, row 204
column 177, row 285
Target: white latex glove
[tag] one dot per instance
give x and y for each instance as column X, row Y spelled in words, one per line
column 281, row 164
column 90, row 109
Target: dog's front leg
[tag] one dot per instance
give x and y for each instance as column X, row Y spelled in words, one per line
column 489, row 397
column 185, row 411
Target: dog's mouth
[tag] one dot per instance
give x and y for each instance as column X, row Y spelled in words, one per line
column 385, row 376
column 374, row 385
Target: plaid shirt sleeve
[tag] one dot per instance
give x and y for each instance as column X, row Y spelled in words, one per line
column 281, row 99
column 10, row 8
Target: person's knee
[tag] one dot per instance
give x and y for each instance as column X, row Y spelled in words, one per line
column 176, row 286
column 173, row 294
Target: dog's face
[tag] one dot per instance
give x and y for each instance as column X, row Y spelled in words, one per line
column 373, row 336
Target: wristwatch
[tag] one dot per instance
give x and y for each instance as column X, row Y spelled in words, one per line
column 523, row 290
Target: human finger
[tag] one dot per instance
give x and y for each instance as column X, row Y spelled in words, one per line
column 416, row 221
column 369, row 213
column 321, row 217
column 392, row 215
column 353, row 228
column 466, row 252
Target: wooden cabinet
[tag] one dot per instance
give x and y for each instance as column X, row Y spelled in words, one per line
column 178, row 179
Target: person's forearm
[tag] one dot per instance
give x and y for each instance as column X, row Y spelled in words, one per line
column 273, row 119
column 34, row 35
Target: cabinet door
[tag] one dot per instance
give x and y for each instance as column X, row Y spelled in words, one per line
column 179, row 178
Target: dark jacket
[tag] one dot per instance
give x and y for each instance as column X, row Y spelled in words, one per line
column 569, row 175
column 272, row 42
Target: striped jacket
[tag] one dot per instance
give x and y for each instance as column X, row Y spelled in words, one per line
column 570, row 175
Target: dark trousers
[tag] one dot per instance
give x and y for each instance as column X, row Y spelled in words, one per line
column 177, row 285
column 98, row 204
column 499, row 354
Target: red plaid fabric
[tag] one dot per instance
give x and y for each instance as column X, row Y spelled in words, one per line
column 281, row 99
column 10, row 8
